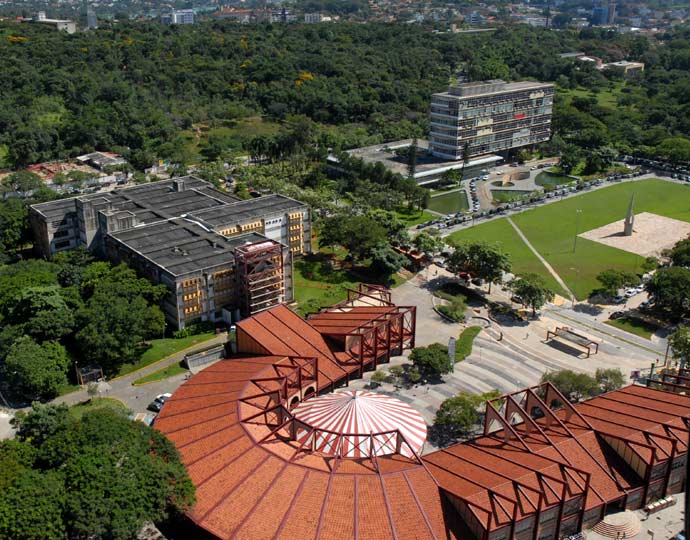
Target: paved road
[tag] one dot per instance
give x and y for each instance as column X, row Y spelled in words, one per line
column 137, row 398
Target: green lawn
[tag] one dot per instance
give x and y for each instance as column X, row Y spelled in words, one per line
column 78, row 410
column 449, row 203
column 605, row 98
column 500, row 232
column 414, row 217
column 507, row 195
column 318, row 284
column 551, row 230
column 463, row 346
column 634, row 326
column 549, row 179
column 162, row 348
column 164, row 373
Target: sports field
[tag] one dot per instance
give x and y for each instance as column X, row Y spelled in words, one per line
column 551, row 230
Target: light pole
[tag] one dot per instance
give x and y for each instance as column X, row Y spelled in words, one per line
column 577, row 227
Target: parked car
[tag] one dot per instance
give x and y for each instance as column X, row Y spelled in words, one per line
column 617, row 315
column 157, row 404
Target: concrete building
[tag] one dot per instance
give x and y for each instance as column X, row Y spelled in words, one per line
column 627, row 69
column 312, row 18
column 179, row 16
column 91, row 19
column 220, row 257
column 62, row 25
column 489, row 117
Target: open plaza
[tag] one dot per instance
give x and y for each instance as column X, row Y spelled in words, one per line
column 562, row 232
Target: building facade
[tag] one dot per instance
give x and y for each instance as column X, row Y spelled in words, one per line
column 221, row 258
column 489, row 117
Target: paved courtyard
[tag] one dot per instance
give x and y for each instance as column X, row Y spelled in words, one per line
column 507, row 357
column 651, row 234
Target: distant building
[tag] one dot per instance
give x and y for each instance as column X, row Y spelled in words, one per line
column 62, row 25
column 312, row 18
column 488, row 117
column 600, row 15
column 221, row 258
column 91, row 20
column 624, row 67
column 179, row 16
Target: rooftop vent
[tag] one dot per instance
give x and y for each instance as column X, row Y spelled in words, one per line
column 178, row 184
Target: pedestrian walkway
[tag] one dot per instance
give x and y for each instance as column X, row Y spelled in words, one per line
column 542, row 259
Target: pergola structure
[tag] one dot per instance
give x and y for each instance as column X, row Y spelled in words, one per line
column 567, row 334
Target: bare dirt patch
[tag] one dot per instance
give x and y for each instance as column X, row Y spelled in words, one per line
column 651, row 234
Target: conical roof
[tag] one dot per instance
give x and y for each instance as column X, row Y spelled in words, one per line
column 357, row 424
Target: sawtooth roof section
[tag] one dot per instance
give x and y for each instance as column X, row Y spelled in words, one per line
column 281, row 331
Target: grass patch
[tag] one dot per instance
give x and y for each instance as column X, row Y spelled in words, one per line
column 546, row 178
column 413, row 217
column 507, row 195
column 162, row 348
column 605, row 97
column 4, row 152
column 455, row 309
column 551, row 230
column 93, row 404
column 318, row 283
column 463, row 345
column 166, row 372
column 501, row 233
column 449, row 203
column 634, row 326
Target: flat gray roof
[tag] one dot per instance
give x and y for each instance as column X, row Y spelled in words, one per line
column 489, row 88
column 180, row 246
column 249, row 209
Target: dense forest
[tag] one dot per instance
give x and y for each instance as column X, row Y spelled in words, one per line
column 145, row 89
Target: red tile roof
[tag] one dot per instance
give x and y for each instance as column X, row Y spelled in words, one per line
column 257, row 490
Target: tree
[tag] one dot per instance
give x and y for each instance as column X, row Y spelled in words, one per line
column 680, row 253
column 431, row 361
column 570, row 157
column 612, row 280
column 426, row 243
column 412, row 159
column 14, row 224
column 22, row 181
column 385, row 261
column 480, row 259
column 358, row 234
column 574, row 386
column 460, row 413
column 43, row 313
column 609, row 379
column 378, row 377
column 41, row 422
column 36, row 371
column 680, row 344
column 669, row 290
column 533, row 290
column 113, row 326
column 100, row 477
column 650, row 263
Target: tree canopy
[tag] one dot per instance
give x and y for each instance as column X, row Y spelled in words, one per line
column 533, row 290
column 102, row 477
column 482, row 260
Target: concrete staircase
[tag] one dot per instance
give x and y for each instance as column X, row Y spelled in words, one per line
column 620, row 525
